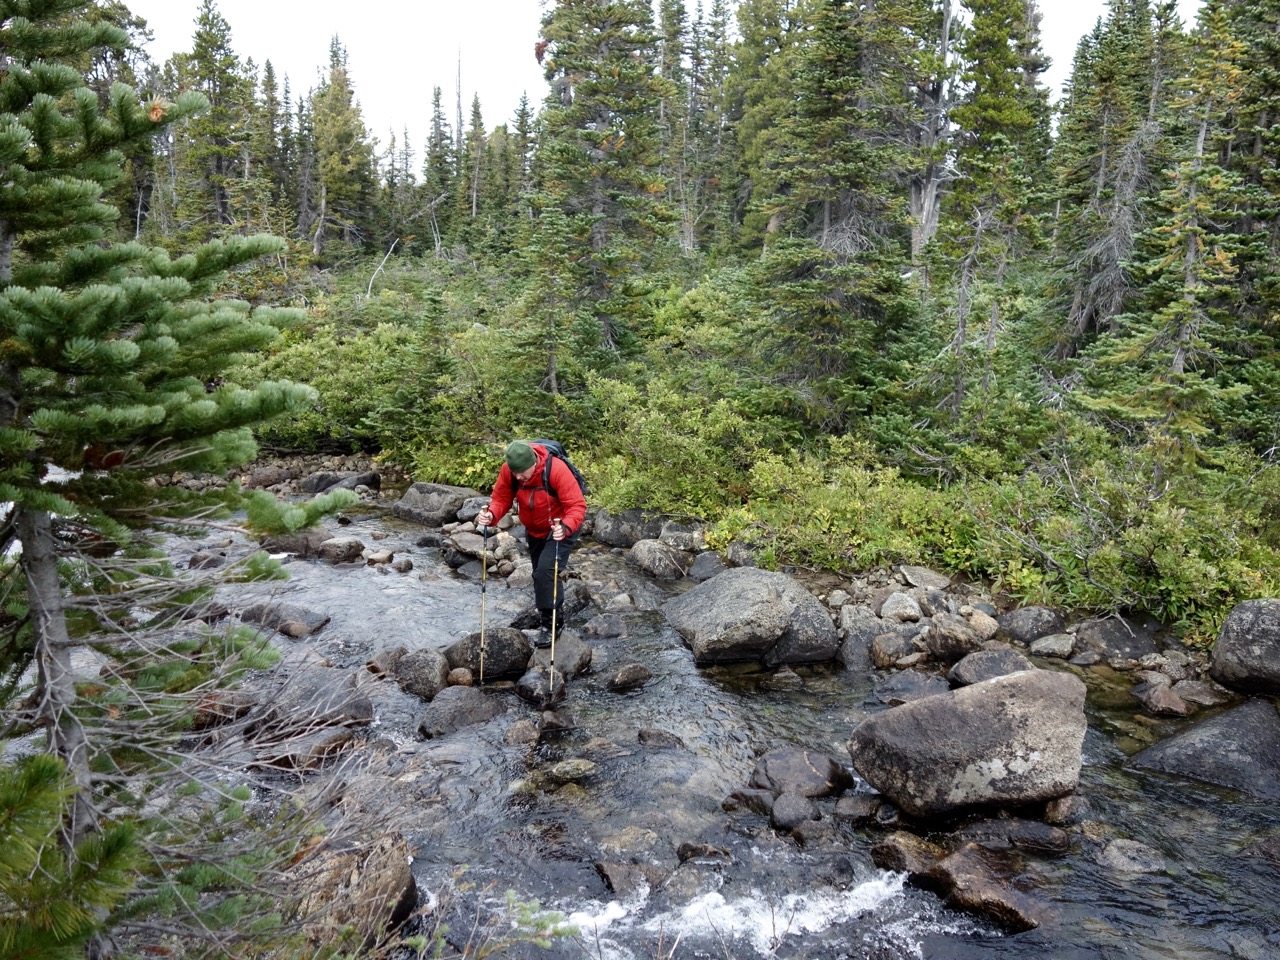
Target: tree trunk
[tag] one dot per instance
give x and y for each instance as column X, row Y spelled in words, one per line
column 56, row 707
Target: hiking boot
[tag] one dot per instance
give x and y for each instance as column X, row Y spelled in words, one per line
column 542, row 639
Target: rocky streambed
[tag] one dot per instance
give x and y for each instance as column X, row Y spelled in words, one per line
column 748, row 763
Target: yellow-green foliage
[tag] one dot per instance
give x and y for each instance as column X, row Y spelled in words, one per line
column 667, row 450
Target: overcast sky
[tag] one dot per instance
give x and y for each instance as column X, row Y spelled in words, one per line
column 398, row 50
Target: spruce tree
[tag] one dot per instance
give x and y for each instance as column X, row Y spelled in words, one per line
column 600, row 211
column 112, row 375
column 439, row 174
column 344, row 159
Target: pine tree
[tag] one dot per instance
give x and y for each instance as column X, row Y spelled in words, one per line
column 600, row 215
column 994, row 206
column 470, row 185
column 344, row 159
column 111, row 375
column 1110, row 157
column 1168, row 364
column 209, row 151
column 439, row 174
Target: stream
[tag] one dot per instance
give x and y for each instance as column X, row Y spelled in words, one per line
column 487, row 829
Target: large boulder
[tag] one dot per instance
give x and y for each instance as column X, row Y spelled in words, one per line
column 505, row 652
column 627, row 528
column 1118, row 638
column 1026, row 624
column 1239, row 749
column 432, row 504
column 750, row 614
column 1247, row 655
column 1013, row 739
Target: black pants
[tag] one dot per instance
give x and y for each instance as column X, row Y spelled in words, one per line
column 547, row 594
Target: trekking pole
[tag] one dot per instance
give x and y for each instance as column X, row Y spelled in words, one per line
column 555, row 596
column 484, row 578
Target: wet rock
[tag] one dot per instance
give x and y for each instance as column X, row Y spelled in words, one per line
column 573, row 657
column 506, row 653
column 950, row 638
column 626, row 880
column 573, row 770
column 304, row 543
column 1247, row 654
column 1014, row 739
column 1130, row 856
column 456, row 707
column 1066, row 811
column 288, row 618
column 1202, row 692
column 605, row 626
column 341, row 550
column 705, row 566
column 402, row 564
column 633, row 676
column 858, row 809
column 383, row 663
column 986, row 665
column 658, row 739
column 803, row 772
column 1118, row 638
column 969, row 882
column 1030, row 623
column 1239, row 749
column 1156, row 696
column 782, row 679
column 1012, row 833
column 325, row 481
column 907, row 686
column 424, row 673
column 791, row 809
column 749, row 614
column 461, row 677
column 523, row 731
column 541, row 688
column 904, row 852
column 755, row 800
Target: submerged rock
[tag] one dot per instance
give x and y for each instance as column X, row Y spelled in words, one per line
column 1239, row 749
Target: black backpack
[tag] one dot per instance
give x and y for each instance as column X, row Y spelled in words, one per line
column 556, row 449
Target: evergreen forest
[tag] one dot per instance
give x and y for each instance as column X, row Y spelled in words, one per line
column 839, row 279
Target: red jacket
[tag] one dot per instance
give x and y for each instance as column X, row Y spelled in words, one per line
column 538, row 506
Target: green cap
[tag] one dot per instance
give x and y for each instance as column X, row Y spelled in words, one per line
column 520, row 456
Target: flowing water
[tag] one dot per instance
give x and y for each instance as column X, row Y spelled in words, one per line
column 495, row 827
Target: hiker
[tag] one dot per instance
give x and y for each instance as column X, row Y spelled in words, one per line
column 552, row 509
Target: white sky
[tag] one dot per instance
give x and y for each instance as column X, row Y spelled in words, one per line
column 398, row 50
